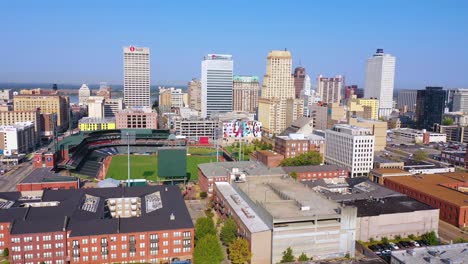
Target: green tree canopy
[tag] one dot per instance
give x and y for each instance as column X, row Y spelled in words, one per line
column 303, row 257
column 447, row 121
column 420, row 155
column 430, row 238
column 239, row 252
column 204, row 226
column 287, row 256
column 228, row 232
column 208, row 250
column 308, row 158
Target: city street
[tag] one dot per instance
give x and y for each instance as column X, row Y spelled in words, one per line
column 9, row 180
column 448, row 232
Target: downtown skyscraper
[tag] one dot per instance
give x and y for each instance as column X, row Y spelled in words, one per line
column 380, row 78
column 136, row 76
column 278, row 107
column 216, row 84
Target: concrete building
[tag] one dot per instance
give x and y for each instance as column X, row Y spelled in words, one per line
column 454, row 253
column 379, row 175
column 460, row 100
column 195, row 128
column 83, row 94
column 329, row 89
column 303, row 125
column 385, row 163
column 380, row 78
column 18, row 138
column 406, row 100
column 277, row 107
column 312, row 173
column 136, row 76
column 409, row 135
column 362, row 107
column 90, row 225
column 378, row 129
column 245, row 93
column 48, row 104
column 308, row 95
column 6, row 95
column 447, row 192
column 95, row 106
column 430, row 106
column 381, row 212
column 94, row 124
column 454, row 157
column 350, row 147
column 112, row 107
column 171, row 97
column 351, row 90
column 299, row 76
column 216, row 84
column 423, row 167
column 300, row 218
column 210, row 173
column 9, row 118
column 454, row 133
column 194, row 94
column 458, row 118
column 104, row 91
column 137, row 118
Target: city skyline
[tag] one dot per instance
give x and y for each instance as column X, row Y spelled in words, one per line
column 85, row 50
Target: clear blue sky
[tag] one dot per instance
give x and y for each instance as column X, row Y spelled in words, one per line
column 81, row 41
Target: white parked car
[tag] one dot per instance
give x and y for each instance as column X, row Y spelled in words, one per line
column 416, row 244
column 394, row 246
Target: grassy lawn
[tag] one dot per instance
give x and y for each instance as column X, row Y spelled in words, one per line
column 246, row 149
column 201, row 151
column 146, row 167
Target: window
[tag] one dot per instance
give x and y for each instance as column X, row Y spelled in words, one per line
column 113, row 256
column 142, row 236
column 124, row 238
column 124, row 246
column 165, row 235
column 85, row 241
column 47, row 238
column 153, row 252
column 176, row 234
column 165, row 243
column 113, row 247
column 113, row 238
column 94, row 249
column 165, row 251
column 177, row 250
column 186, row 249
column 94, row 240
column 124, row 255
column 47, row 246
column 94, row 258
column 176, row 242
column 85, row 250
column 142, row 254
column 142, row 245
column 15, row 240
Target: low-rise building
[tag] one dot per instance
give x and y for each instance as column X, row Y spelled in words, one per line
column 409, row 135
column 210, row 173
column 93, row 124
column 311, row 173
column 458, row 118
column 350, row 147
column 446, row 192
column 454, row 157
column 196, row 128
column 381, row 212
column 379, row 175
column 292, row 145
column 386, row 163
column 424, row 167
column 149, row 224
column 267, row 157
column 45, row 178
column 142, row 117
column 18, row 138
column 443, row 254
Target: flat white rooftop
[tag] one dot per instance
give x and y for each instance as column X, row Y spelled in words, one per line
column 453, row 254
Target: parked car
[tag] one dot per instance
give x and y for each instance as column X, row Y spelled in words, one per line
column 416, row 244
column 375, row 249
column 393, row 245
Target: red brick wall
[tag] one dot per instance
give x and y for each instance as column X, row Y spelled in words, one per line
column 207, row 183
column 5, row 235
column 47, row 185
column 39, row 245
column 304, row 176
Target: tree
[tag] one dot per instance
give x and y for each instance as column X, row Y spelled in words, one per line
column 398, row 237
column 303, row 257
column 447, row 121
column 208, row 250
column 411, row 236
column 460, row 240
column 385, row 240
column 420, row 155
column 6, row 252
column 293, row 175
column 239, row 252
column 203, row 195
column 430, row 238
column 228, row 232
column 287, row 256
column 204, row 226
column 308, row 158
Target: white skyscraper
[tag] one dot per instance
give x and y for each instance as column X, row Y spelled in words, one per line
column 83, row 94
column 216, row 80
column 380, row 77
column 136, row 76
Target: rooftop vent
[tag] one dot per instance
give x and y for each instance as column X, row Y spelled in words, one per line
column 172, row 217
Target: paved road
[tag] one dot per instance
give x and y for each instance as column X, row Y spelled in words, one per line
column 10, row 179
column 448, row 232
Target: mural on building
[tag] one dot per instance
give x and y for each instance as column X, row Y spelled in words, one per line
column 242, row 129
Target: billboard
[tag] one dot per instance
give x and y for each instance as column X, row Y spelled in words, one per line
column 172, row 162
column 242, row 129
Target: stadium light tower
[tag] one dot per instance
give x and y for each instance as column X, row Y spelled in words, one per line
column 128, row 157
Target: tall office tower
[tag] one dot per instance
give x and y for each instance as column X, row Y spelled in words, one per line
column 380, row 77
column 307, row 95
column 430, row 106
column 299, row 75
column 343, row 142
column 171, row 97
column 329, row 89
column 277, row 107
column 449, row 101
column 194, row 91
column 460, row 100
column 136, row 76
column 351, row 90
column 83, row 94
column 406, row 100
column 216, row 79
column 245, row 92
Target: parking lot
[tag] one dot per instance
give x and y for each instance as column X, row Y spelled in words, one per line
column 196, row 208
column 384, row 250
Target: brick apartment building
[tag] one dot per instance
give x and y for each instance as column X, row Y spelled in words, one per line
column 447, row 192
column 137, row 118
column 267, row 157
column 297, row 144
column 310, row 173
column 101, row 225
